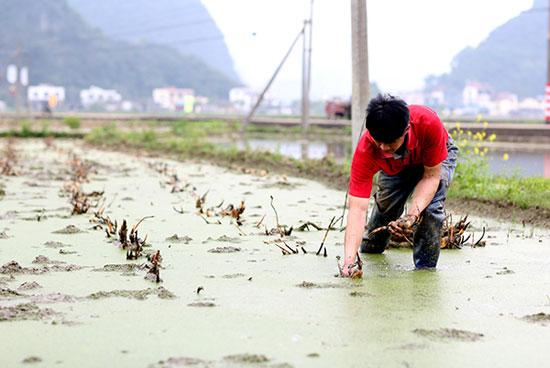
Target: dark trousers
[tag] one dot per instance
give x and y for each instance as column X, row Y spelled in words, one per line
column 393, row 192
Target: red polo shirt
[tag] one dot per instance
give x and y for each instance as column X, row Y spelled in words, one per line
column 426, row 145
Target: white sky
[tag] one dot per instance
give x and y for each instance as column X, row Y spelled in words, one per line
column 408, row 40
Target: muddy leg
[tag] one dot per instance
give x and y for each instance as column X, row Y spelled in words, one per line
column 427, row 237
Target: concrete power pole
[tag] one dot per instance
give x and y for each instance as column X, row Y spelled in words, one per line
column 360, row 68
column 547, row 92
column 306, row 69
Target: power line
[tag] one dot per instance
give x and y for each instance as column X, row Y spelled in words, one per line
column 161, row 28
column 129, row 48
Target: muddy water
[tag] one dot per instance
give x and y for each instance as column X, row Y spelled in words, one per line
column 255, row 308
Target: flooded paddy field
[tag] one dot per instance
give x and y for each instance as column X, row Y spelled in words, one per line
column 228, row 297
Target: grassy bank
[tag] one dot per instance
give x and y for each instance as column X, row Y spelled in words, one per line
column 192, row 146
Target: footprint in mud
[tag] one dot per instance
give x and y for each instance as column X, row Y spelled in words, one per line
column 540, row 318
column 9, row 294
column 444, row 334
column 124, row 267
column 160, row 292
column 12, row 267
column 29, row 285
column 53, row 298
column 179, row 239
column 237, row 360
column 26, row 311
column 55, row 244
column 31, row 360
column 312, row 285
column 233, row 275
column 40, row 259
column 70, row 229
column 223, row 238
column 360, row 294
column 505, row 271
column 246, row 358
column 224, row 250
column 202, row 304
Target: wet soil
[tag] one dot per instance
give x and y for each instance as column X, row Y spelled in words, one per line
column 449, row 334
column 161, row 292
column 253, row 303
column 22, row 312
column 542, row 318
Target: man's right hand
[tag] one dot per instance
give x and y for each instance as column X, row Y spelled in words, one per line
column 352, row 270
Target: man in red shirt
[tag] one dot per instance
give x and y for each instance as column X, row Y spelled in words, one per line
column 413, row 153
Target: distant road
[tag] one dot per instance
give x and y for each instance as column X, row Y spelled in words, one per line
column 508, row 130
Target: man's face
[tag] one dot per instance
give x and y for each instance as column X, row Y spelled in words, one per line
column 392, row 147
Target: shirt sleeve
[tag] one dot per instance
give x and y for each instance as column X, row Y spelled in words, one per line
column 362, row 172
column 436, row 143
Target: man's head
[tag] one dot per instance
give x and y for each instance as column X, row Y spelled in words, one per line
column 387, row 122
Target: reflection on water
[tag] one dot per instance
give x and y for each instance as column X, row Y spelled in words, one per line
column 518, row 163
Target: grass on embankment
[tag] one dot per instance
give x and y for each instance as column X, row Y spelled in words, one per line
column 471, row 182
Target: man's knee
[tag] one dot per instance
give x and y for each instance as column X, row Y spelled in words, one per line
column 368, row 246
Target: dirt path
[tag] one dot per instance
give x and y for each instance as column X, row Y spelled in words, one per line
column 228, row 298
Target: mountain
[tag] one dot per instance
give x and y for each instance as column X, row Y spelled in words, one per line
column 60, row 48
column 184, row 25
column 511, row 59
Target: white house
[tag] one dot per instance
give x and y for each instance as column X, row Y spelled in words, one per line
column 242, row 98
column 476, row 94
column 503, row 104
column 45, row 93
column 99, row 96
column 175, row 99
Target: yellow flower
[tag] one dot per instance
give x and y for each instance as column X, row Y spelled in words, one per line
column 479, row 117
column 476, row 150
column 457, row 125
column 485, row 124
column 469, row 132
column 482, row 153
column 492, row 137
column 505, row 156
column 485, row 150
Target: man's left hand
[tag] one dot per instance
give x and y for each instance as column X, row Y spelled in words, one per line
column 402, row 227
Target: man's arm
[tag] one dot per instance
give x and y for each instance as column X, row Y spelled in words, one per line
column 423, row 194
column 425, row 190
column 355, row 227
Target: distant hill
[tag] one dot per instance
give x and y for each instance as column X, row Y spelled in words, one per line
column 61, row 48
column 184, row 25
column 512, row 58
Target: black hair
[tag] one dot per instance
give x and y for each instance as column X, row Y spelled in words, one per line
column 387, row 118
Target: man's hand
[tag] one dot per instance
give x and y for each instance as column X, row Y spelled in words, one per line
column 351, row 269
column 402, row 227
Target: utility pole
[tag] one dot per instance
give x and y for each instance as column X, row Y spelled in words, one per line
column 305, row 96
column 306, row 69
column 547, row 92
column 261, row 97
column 360, row 68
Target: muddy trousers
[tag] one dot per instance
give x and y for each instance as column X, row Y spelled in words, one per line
column 393, row 192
